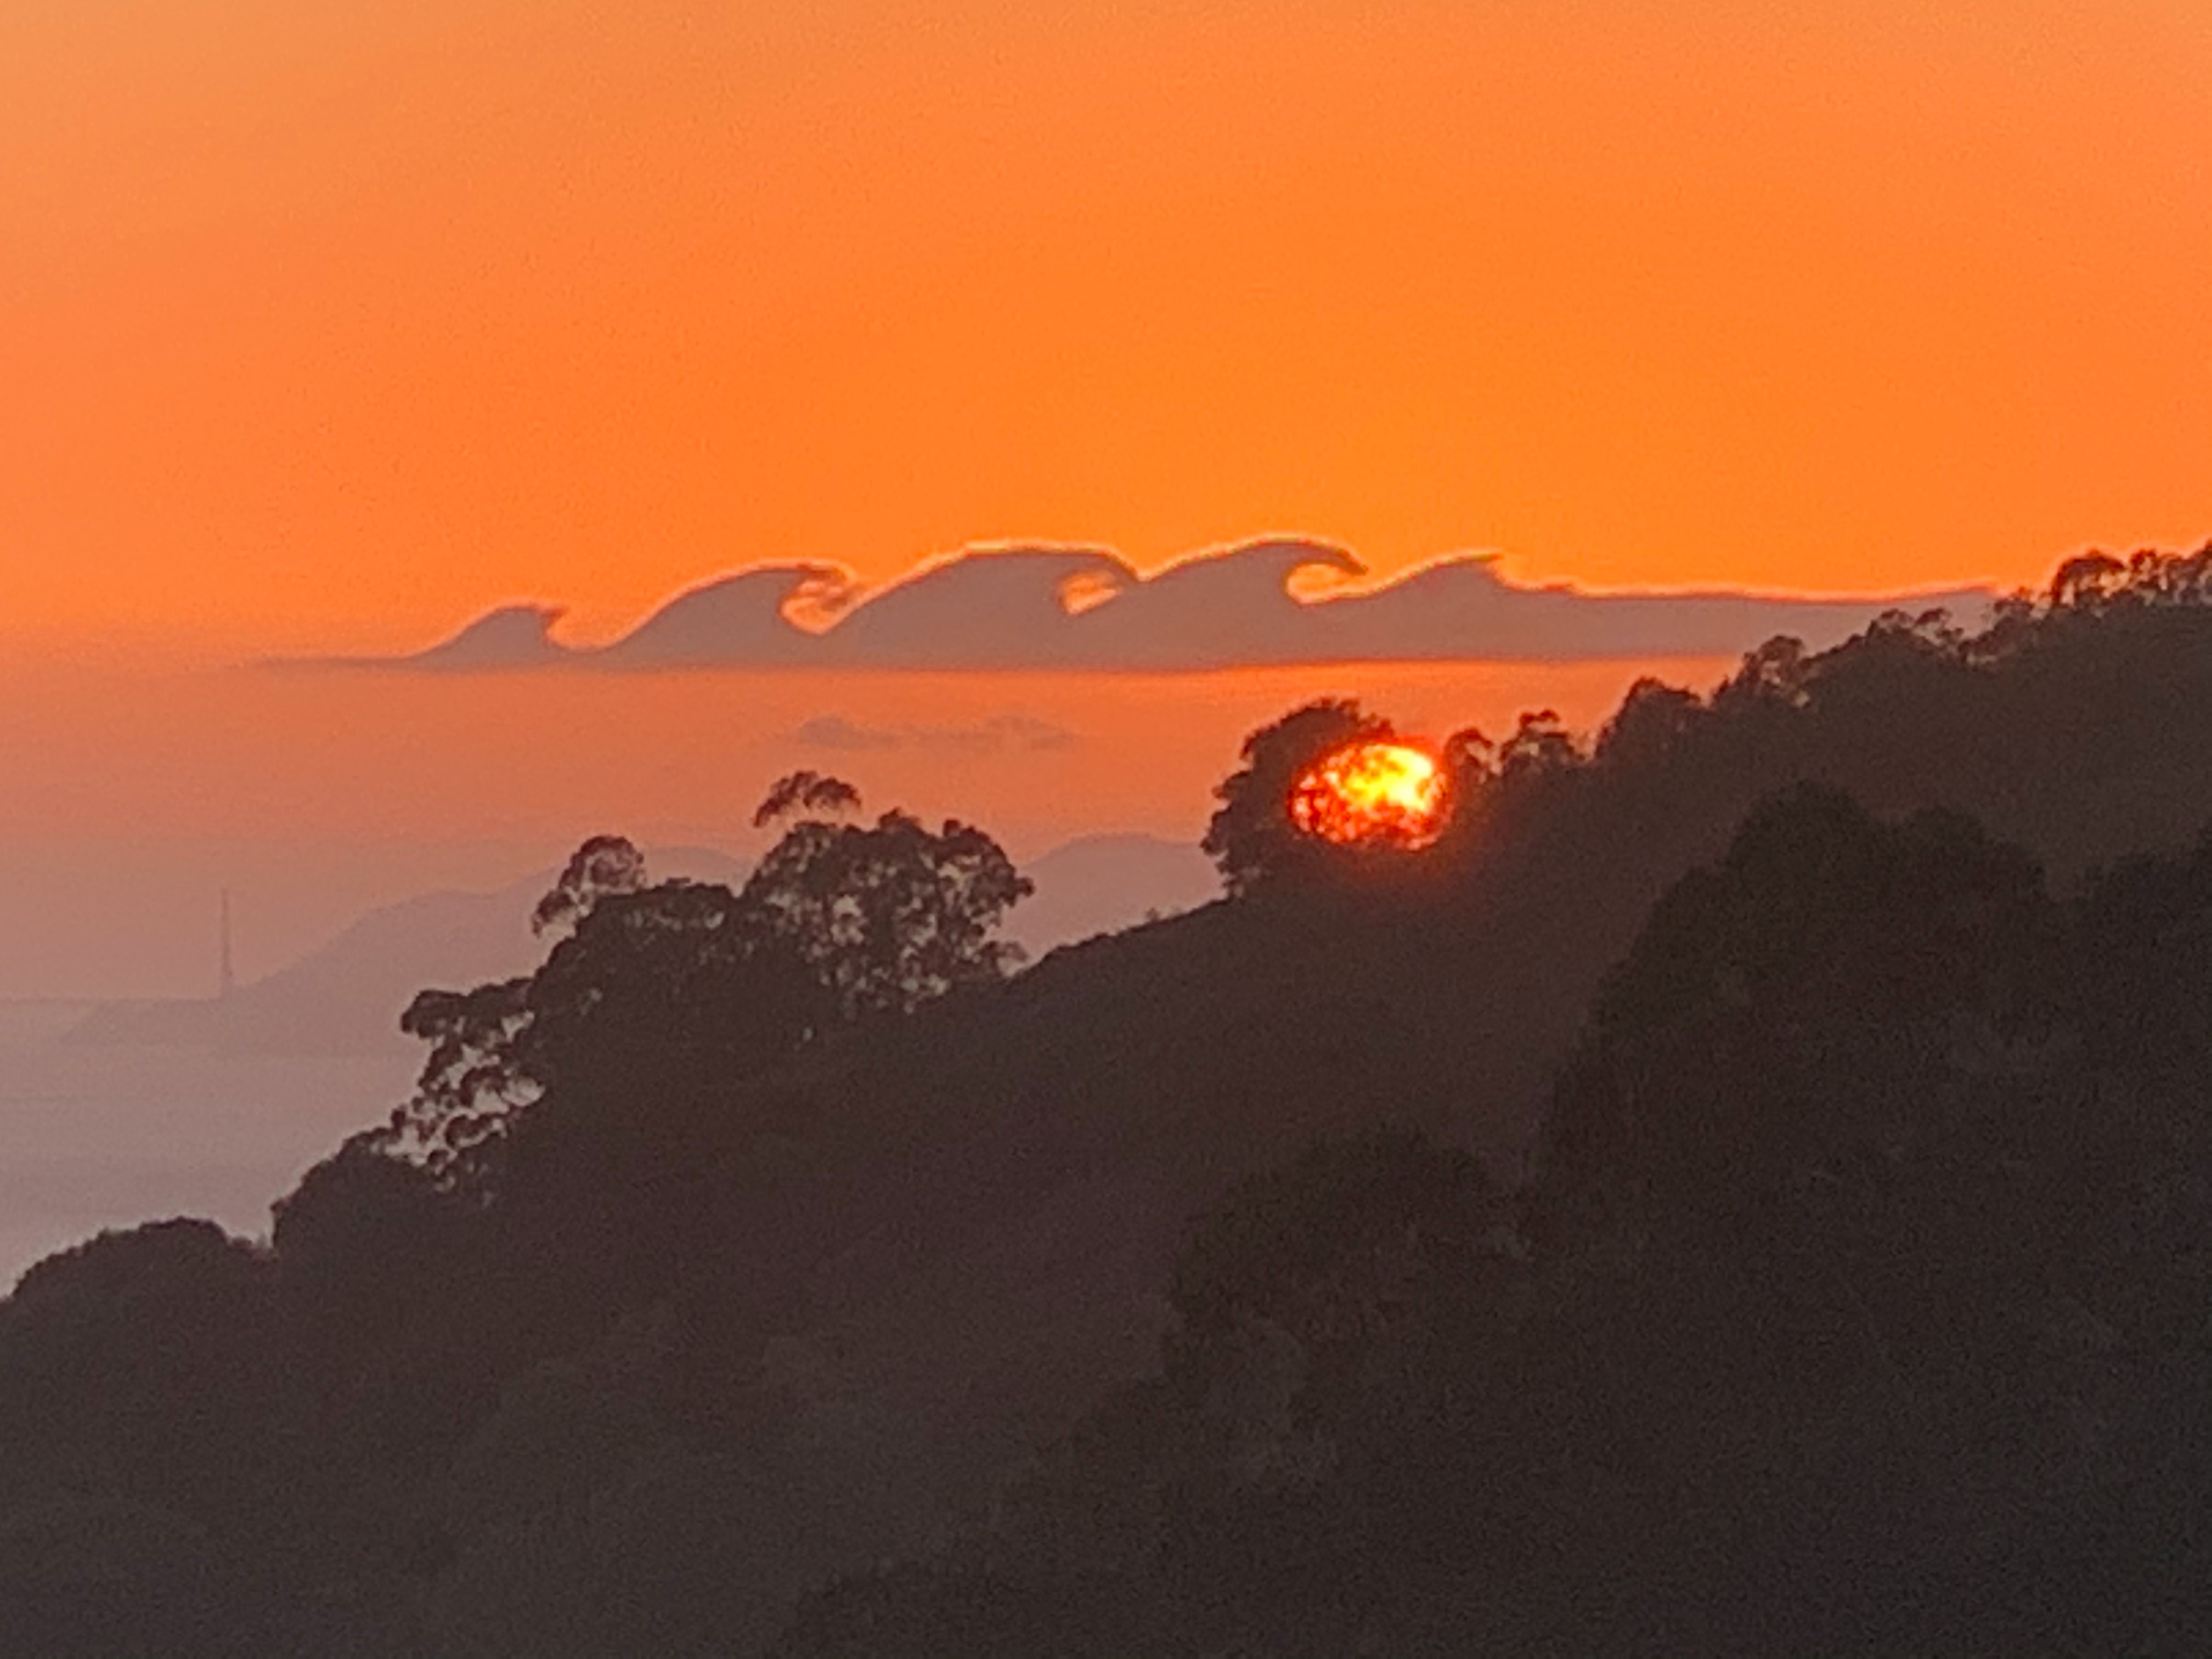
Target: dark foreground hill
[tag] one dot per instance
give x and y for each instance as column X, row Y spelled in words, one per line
column 711, row 1266
column 1857, row 1307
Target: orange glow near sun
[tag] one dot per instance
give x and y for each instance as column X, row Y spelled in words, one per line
column 1373, row 794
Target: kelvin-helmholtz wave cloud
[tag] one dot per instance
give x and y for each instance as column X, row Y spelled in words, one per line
column 1087, row 609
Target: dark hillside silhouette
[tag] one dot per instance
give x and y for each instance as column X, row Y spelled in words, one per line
column 1855, row 1307
column 1741, row 1191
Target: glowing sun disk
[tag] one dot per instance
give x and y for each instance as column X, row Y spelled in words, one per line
column 1374, row 793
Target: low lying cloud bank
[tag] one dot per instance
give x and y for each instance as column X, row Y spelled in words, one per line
column 997, row 734
column 1086, row 608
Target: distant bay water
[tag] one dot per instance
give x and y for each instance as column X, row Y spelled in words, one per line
column 96, row 1136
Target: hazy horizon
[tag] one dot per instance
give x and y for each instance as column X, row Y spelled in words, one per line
column 138, row 798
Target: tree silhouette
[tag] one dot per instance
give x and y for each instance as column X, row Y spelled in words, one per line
column 1653, row 721
column 805, row 792
column 602, row 866
column 888, row 915
column 145, row 1363
column 655, row 992
column 2086, row 582
column 1539, row 744
column 1251, row 838
column 472, row 1081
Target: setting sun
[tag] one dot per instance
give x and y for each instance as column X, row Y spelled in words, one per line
column 1373, row 794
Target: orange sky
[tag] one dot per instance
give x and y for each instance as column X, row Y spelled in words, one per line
column 326, row 326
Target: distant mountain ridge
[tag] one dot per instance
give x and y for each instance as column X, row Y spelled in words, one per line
column 346, row 997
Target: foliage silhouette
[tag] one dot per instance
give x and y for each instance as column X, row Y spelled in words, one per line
column 805, row 792
column 1251, row 837
column 890, row 916
column 602, row 866
column 657, row 988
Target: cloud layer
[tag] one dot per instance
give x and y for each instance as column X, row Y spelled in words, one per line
column 993, row 736
column 1086, row 608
